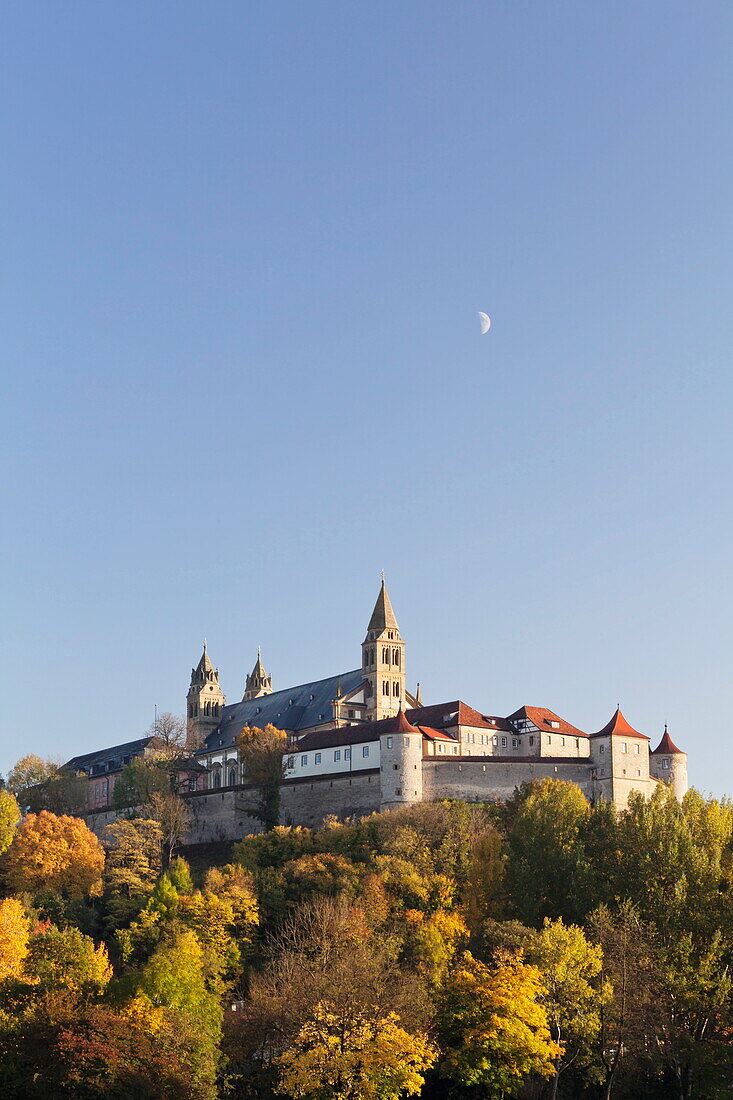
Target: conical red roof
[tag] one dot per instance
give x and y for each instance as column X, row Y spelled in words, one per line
column 402, row 725
column 667, row 745
column 620, row 728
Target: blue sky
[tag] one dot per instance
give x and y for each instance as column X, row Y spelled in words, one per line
column 244, row 249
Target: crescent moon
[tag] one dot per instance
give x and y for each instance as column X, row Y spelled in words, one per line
column 485, row 323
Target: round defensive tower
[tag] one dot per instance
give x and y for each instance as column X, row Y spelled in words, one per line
column 668, row 764
column 400, row 762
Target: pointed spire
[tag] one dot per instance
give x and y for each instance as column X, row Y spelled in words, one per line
column 204, row 664
column 667, row 747
column 418, row 695
column 383, row 616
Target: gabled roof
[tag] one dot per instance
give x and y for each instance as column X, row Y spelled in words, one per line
column 619, row 727
column 383, row 616
column 102, row 758
column 455, row 713
column 667, row 746
column 543, row 718
column 436, row 735
column 291, row 709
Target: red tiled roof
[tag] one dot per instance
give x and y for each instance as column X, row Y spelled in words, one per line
column 667, row 745
column 456, row 713
column 436, row 735
column 542, row 719
column 355, row 734
column 620, row 728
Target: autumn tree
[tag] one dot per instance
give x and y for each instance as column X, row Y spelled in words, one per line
column 169, row 731
column 30, row 771
column 630, row 978
column 14, row 933
column 263, row 753
column 50, row 852
column 138, row 782
column 569, row 966
column 67, row 959
column 173, row 817
column 9, row 818
column 132, row 867
column 346, row 1055
column 494, row 1026
column 174, row 981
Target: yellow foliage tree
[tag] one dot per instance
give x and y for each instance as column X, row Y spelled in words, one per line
column 9, row 818
column 338, row 1056
column 495, row 1028
column 66, row 959
column 14, row 932
column 50, row 852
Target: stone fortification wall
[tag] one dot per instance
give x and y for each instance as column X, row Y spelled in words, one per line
column 221, row 814
column 483, row 779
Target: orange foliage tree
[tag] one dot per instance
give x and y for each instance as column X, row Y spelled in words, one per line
column 50, row 852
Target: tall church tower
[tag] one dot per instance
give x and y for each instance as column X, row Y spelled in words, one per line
column 383, row 660
column 204, row 701
column 258, row 682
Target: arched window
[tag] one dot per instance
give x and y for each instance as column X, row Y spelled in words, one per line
column 232, row 777
column 217, row 778
column 395, row 689
column 396, row 658
column 385, row 687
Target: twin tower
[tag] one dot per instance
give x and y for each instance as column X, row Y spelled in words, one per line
column 383, row 668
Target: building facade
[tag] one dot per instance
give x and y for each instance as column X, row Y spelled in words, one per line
column 359, row 741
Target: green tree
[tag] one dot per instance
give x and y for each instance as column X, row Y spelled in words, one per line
column 174, row 980
column 630, row 978
column 494, row 1027
column 570, row 967
column 547, row 869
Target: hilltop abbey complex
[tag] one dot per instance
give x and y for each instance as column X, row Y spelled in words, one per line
column 359, row 741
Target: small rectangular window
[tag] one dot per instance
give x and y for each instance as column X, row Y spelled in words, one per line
column 495, row 740
column 624, row 747
column 503, row 742
column 440, row 746
column 455, row 750
column 549, row 739
column 531, row 740
column 389, row 742
column 636, row 750
column 337, row 754
column 562, row 740
column 347, row 754
column 603, row 748
column 365, row 750
column 515, row 742
column 318, row 758
column 665, row 763
column 303, row 761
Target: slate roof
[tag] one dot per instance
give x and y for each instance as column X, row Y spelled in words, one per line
column 109, row 760
column 292, row 709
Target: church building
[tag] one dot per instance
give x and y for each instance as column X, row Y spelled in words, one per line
column 360, row 741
